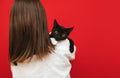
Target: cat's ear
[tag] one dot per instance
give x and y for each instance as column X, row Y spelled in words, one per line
column 55, row 23
column 70, row 29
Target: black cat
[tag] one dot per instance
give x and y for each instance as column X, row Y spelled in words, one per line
column 61, row 33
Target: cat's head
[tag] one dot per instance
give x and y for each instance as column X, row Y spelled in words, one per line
column 59, row 32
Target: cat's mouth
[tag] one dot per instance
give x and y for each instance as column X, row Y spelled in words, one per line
column 59, row 39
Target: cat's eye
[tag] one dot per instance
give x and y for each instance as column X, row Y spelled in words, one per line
column 56, row 32
column 63, row 35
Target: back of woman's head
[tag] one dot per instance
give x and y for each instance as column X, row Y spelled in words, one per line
column 28, row 34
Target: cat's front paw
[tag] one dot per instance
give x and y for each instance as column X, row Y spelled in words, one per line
column 71, row 49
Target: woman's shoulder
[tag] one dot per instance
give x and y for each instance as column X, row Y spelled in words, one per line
column 63, row 48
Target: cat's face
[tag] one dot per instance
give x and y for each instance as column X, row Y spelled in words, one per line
column 59, row 32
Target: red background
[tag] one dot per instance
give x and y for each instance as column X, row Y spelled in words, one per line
column 96, row 35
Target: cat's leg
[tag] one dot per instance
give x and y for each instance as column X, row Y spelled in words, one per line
column 71, row 47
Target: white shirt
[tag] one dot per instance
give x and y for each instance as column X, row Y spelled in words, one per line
column 55, row 65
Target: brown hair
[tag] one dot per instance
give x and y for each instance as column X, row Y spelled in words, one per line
column 28, row 34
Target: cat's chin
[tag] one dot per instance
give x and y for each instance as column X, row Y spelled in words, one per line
column 57, row 39
column 60, row 40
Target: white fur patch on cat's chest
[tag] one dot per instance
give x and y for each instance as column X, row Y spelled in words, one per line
column 63, row 42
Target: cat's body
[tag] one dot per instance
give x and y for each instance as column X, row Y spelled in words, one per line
column 61, row 33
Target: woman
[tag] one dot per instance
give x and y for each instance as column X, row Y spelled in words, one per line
column 32, row 54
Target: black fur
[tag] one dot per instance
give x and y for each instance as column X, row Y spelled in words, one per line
column 71, row 45
column 61, row 33
column 15, row 63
